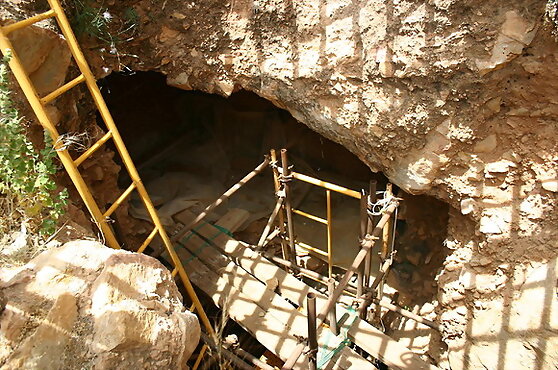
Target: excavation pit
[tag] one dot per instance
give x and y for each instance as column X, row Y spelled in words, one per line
column 191, row 146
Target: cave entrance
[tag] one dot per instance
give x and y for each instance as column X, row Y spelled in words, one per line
column 190, row 147
column 195, row 145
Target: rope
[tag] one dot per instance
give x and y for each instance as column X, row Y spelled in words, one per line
column 325, row 355
column 378, row 208
column 284, row 179
column 223, row 230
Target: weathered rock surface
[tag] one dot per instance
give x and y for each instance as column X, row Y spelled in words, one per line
column 84, row 305
column 517, row 310
column 456, row 99
column 44, row 57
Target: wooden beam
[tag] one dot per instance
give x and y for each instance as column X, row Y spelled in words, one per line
column 366, row 336
column 272, row 320
column 384, row 348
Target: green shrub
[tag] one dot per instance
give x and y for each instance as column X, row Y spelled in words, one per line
column 26, row 175
column 96, row 21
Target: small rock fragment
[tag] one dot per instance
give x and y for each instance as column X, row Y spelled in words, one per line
column 487, row 145
column 550, row 185
column 467, row 206
column 499, row 167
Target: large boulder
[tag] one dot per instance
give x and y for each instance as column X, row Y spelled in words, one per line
column 84, row 305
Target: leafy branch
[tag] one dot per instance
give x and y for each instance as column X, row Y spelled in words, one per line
column 26, row 175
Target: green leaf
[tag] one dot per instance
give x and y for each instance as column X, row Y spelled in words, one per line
column 25, row 172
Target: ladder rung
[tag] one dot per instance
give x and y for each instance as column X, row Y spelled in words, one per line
column 93, row 149
column 119, row 201
column 56, row 93
column 310, row 248
column 27, row 22
column 148, row 240
column 310, row 216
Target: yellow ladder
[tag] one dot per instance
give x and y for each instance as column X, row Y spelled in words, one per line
column 71, row 165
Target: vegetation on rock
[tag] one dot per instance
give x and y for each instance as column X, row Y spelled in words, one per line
column 28, row 191
column 95, row 21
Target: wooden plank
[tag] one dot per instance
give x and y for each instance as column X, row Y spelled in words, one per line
column 236, row 275
column 233, row 219
column 275, row 326
column 259, row 293
column 262, row 293
column 259, row 266
column 365, row 336
column 266, row 271
column 219, row 263
column 387, row 350
column 184, row 217
column 242, row 309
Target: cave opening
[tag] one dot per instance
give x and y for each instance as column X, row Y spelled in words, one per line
column 190, row 147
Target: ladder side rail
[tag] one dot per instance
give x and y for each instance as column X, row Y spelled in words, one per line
column 130, row 167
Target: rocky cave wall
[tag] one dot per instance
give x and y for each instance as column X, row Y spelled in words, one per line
column 455, row 99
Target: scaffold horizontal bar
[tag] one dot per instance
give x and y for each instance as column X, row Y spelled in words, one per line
column 310, row 216
column 311, row 249
column 324, row 184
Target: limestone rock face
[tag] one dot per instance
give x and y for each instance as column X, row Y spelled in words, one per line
column 84, row 305
column 456, row 99
column 451, row 98
column 518, row 313
column 44, row 56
